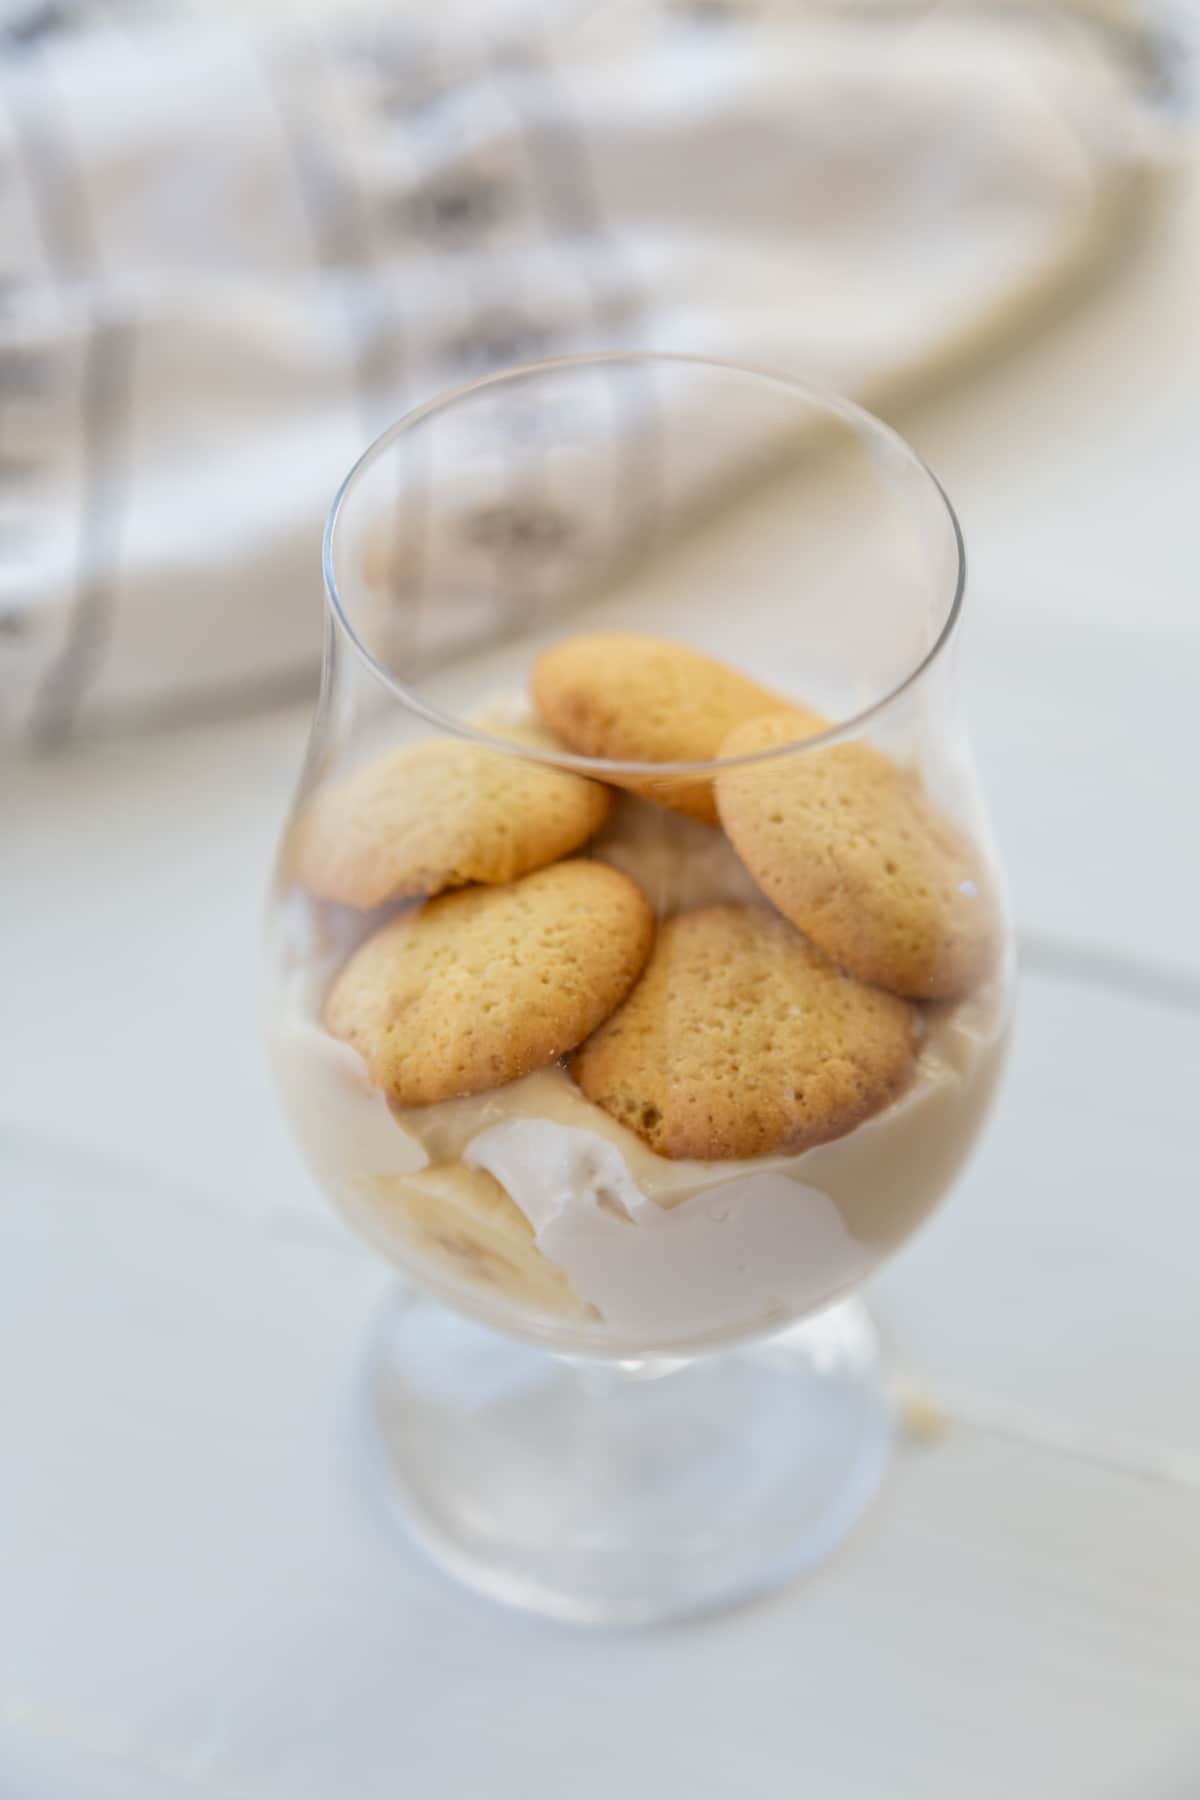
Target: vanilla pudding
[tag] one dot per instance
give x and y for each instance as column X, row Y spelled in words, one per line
column 537, row 1210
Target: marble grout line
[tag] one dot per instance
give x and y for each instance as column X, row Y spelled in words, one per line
column 922, row 1416
column 316, row 1224
column 1055, row 958
column 40, row 1721
column 1043, row 955
column 923, row 1420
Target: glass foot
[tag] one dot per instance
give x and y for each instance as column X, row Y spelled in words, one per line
column 625, row 1494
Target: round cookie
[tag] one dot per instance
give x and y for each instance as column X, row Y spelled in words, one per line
column 438, row 815
column 742, row 1039
column 641, row 699
column 473, row 989
column 847, row 846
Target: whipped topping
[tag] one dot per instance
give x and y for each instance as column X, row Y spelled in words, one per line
column 754, row 1248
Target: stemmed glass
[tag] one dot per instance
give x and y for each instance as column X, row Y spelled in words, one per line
column 638, row 968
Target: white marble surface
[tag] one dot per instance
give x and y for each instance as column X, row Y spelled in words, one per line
column 197, row 1595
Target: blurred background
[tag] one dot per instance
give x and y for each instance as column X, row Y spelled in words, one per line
column 235, row 244
column 236, row 249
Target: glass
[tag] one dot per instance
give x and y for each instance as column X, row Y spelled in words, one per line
column 638, row 968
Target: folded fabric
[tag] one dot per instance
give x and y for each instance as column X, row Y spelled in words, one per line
column 229, row 260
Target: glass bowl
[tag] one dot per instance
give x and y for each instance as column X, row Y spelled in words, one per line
column 638, row 966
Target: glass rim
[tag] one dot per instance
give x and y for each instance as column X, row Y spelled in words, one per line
column 606, row 768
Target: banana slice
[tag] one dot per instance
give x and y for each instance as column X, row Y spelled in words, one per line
column 462, row 1221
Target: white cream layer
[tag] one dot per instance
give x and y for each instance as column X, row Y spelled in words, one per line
column 754, row 1248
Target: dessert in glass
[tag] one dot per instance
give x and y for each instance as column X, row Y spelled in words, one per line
column 638, row 968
